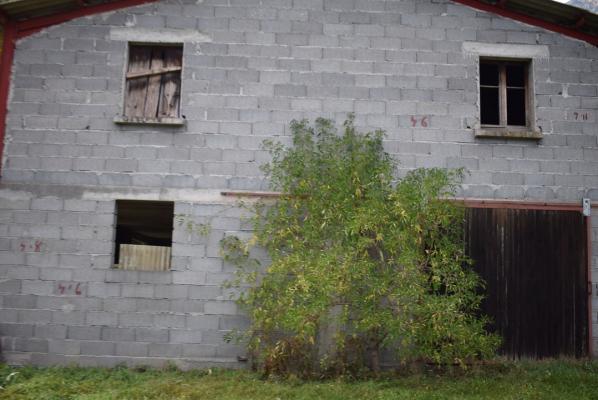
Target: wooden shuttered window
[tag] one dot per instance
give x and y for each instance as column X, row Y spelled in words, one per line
column 153, row 82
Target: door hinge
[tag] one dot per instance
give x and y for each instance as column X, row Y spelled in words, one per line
column 586, row 207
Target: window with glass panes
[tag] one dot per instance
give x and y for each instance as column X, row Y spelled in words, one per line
column 504, row 93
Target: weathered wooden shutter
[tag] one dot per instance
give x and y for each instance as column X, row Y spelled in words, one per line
column 144, row 258
column 153, row 82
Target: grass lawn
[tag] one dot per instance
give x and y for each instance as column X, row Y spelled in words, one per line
column 538, row 380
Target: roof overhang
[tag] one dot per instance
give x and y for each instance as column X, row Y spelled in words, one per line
column 32, row 15
column 558, row 17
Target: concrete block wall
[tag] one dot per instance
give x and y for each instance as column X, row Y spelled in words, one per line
column 62, row 302
column 249, row 67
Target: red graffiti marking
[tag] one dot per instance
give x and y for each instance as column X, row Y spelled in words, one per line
column 580, row 116
column 66, row 288
column 35, row 246
column 423, row 121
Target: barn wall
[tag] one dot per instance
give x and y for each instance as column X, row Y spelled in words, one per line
column 249, row 67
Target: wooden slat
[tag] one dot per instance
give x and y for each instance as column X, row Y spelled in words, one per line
column 153, row 71
column 171, row 84
column 502, row 95
column 139, row 61
column 144, row 258
column 534, row 266
column 152, row 98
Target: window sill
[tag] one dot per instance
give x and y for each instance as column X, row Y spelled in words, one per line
column 122, row 120
column 508, row 133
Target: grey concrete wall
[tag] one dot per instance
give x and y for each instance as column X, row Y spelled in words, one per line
column 250, row 66
column 62, row 302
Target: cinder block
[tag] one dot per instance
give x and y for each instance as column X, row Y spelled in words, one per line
column 203, row 322
column 177, row 291
column 114, row 179
column 204, row 292
column 98, row 348
column 135, row 319
column 34, row 316
column 84, row 332
column 118, row 334
column 169, row 350
column 17, row 330
column 31, row 345
column 101, row 318
column 67, row 347
column 199, row 350
column 221, row 307
column 19, row 301
column 186, row 306
column 118, row 304
column 169, row 321
column 121, row 165
column 50, row 331
column 10, row 286
column 47, row 204
column 185, row 336
column 79, row 205
column 138, row 291
column 152, row 305
column 151, row 335
column 9, row 315
column 39, row 288
column 68, row 317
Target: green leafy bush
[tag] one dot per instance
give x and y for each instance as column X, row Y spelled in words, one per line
column 360, row 263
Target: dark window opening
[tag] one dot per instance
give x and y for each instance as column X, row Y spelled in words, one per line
column 143, row 234
column 490, row 106
column 153, row 87
column 504, row 93
column 516, row 107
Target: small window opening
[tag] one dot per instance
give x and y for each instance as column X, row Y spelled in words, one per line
column 504, row 93
column 153, row 86
column 143, row 235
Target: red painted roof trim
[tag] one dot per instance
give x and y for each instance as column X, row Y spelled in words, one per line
column 8, row 51
column 495, row 9
column 30, row 26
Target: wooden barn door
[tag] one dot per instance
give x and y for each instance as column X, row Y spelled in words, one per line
column 534, row 263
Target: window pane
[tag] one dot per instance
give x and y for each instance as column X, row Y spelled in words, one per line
column 488, row 74
column 516, row 75
column 489, row 106
column 516, row 107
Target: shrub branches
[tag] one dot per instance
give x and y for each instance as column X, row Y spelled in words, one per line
column 373, row 264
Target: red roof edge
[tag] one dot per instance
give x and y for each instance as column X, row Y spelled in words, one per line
column 496, row 9
column 8, row 50
column 30, row 26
